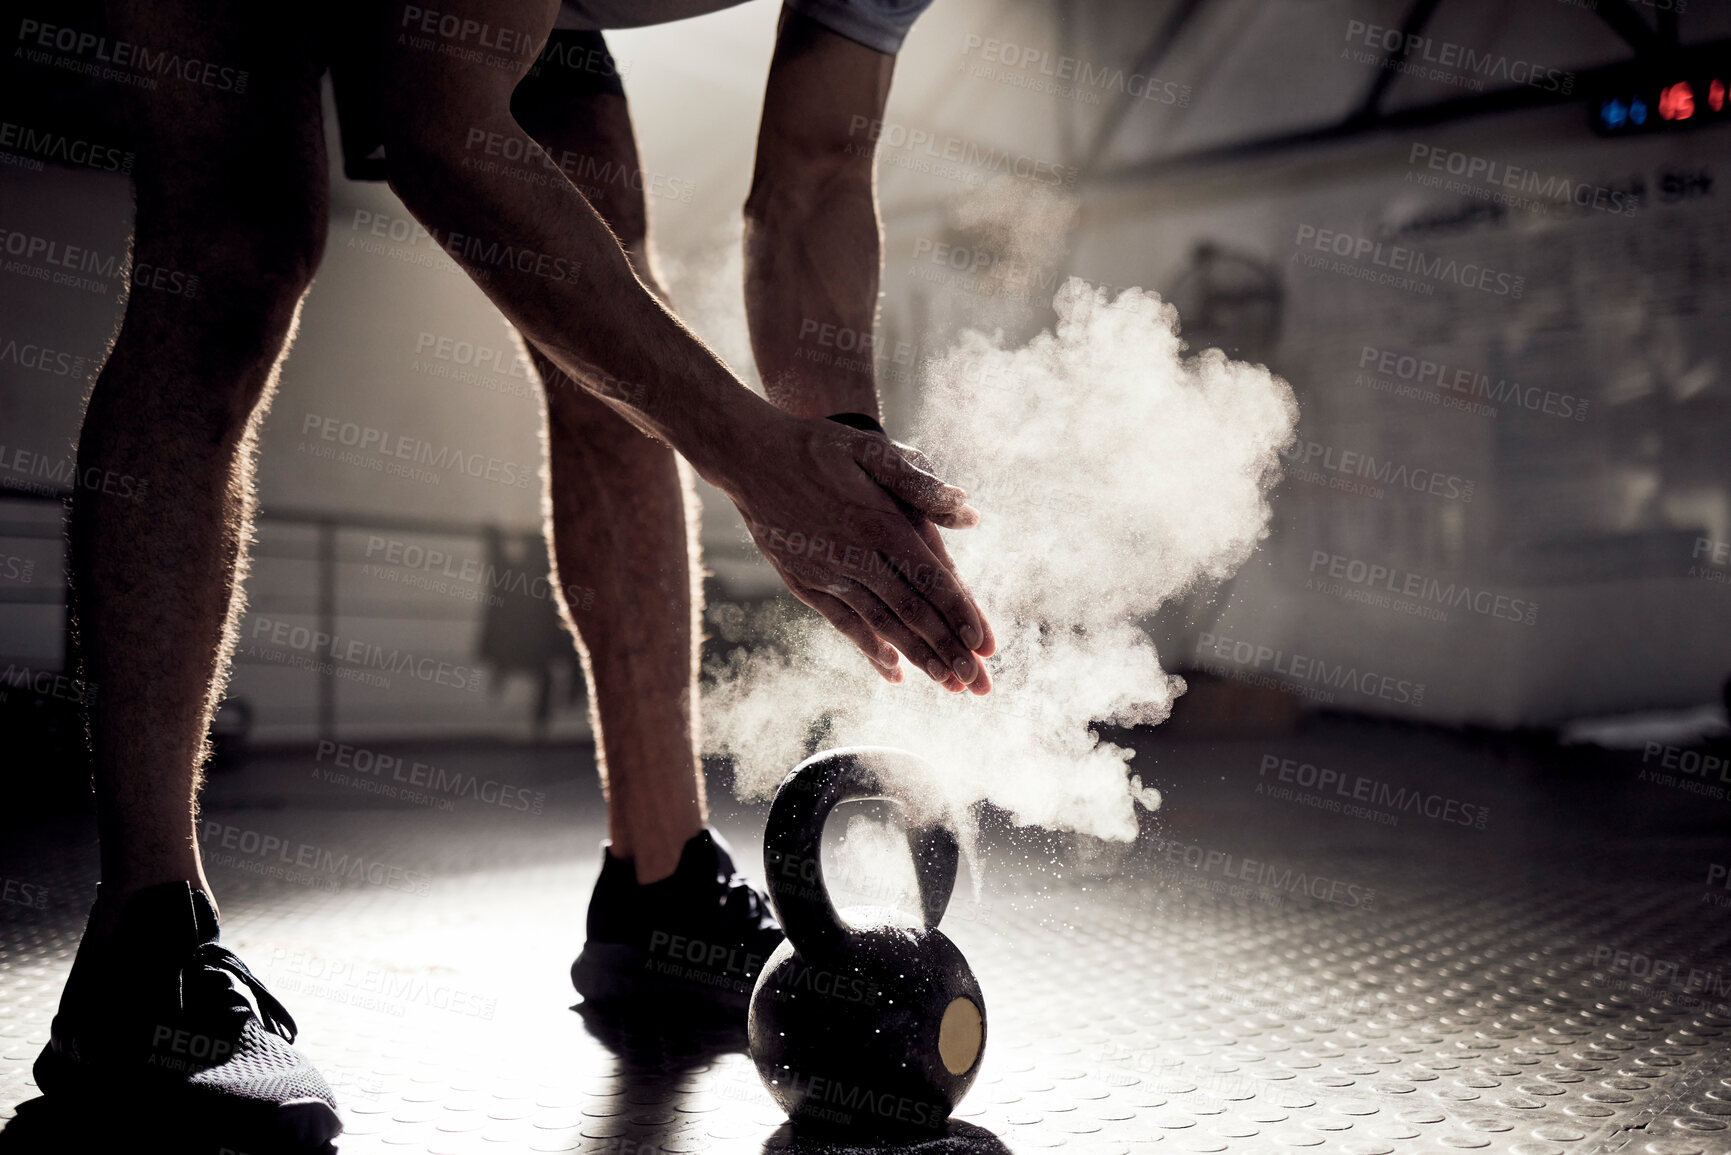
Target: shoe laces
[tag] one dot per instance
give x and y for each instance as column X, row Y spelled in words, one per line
column 744, row 900
column 214, row 977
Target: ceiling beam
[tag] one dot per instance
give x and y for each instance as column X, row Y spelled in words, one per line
column 1668, row 28
column 1159, row 44
column 1515, row 99
column 1627, row 23
column 1416, row 18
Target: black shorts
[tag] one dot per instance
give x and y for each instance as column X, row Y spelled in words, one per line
column 572, row 64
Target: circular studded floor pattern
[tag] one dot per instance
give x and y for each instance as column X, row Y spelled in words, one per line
column 1469, row 1010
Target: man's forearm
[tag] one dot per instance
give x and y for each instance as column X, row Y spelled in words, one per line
column 547, row 260
column 812, row 260
column 813, row 247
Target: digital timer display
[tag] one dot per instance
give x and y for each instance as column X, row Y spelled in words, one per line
column 1681, row 97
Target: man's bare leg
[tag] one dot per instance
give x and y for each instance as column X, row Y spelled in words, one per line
column 231, row 207
column 622, row 522
column 231, row 189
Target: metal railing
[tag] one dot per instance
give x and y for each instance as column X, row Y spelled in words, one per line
column 322, row 602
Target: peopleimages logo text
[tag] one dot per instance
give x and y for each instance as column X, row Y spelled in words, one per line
column 359, row 762
column 68, row 150
column 957, row 150
column 1447, row 380
column 1547, row 188
column 124, row 54
column 1288, row 880
column 1406, row 583
column 1354, row 463
column 355, row 865
column 1414, row 51
column 366, row 438
column 1361, row 789
column 1306, row 670
column 356, row 653
column 1409, row 261
column 1076, row 71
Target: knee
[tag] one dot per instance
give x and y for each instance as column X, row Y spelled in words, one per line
column 224, row 298
column 235, row 279
column 259, row 271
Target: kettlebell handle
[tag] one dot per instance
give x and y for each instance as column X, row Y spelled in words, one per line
column 794, row 836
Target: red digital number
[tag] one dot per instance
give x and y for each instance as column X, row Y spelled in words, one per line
column 1677, row 101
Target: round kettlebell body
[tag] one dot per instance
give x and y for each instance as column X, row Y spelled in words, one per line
column 872, row 1023
column 889, row 1037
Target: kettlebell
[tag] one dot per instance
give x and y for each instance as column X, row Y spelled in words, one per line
column 869, row 1024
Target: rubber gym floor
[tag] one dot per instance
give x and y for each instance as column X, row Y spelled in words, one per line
column 1268, row 968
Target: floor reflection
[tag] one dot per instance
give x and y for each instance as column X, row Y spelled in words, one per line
column 42, row 1127
column 664, row 1062
column 666, row 1066
column 959, row 1139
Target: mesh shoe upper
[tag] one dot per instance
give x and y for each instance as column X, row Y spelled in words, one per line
column 163, row 1009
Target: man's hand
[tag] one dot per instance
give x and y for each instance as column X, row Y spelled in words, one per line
column 846, row 518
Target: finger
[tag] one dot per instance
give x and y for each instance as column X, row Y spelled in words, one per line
column 905, row 477
column 852, row 627
column 882, row 655
column 927, row 530
column 981, row 685
column 953, row 684
column 907, row 588
column 984, row 643
column 916, row 455
column 886, row 624
column 936, row 603
column 934, row 540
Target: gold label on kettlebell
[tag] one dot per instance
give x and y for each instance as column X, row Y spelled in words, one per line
column 959, row 1036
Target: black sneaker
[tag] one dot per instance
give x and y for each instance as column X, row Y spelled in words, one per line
column 696, row 939
column 164, row 1021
